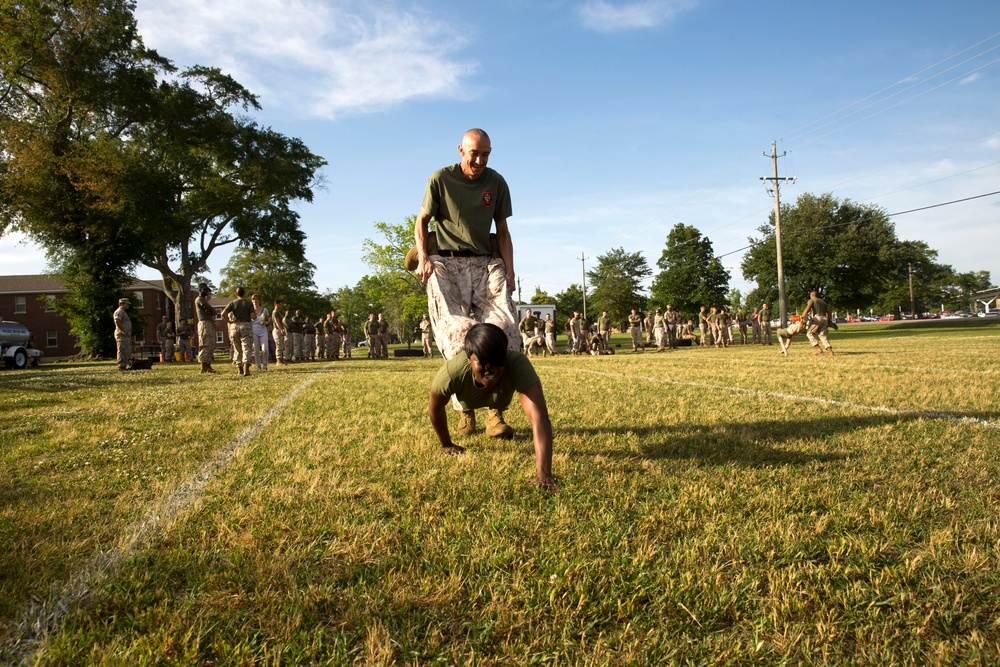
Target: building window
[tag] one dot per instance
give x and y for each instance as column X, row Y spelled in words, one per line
column 52, row 338
column 157, row 301
column 140, row 336
column 20, row 304
column 137, row 299
column 50, row 303
column 219, row 339
column 218, row 314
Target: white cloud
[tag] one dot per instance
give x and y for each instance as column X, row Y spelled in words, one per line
column 969, row 79
column 323, row 58
column 605, row 16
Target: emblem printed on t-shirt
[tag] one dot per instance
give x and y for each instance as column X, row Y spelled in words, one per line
column 487, row 199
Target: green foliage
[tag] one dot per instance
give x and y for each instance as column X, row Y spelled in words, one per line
column 274, row 275
column 847, row 251
column 395, row 292
column 541, row 297
column 567, row 302
column 690, row 274
column 616, row 284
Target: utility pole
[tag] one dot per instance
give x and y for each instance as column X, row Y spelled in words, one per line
column 520, row 295
column 782, row 301
column 913, row 303
column 583, row 270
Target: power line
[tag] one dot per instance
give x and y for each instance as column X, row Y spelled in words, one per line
column 890, row 87
column 845, row 224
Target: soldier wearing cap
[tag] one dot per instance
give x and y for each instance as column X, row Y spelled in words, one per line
column 123, row 334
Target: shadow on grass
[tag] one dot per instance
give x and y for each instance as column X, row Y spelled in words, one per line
column 751, row 444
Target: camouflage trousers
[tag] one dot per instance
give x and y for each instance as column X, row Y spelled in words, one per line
column 123, row 345
column 242, row 340
column 460, row 285
column 279, row 345
column 206, row 341
column 816, row 333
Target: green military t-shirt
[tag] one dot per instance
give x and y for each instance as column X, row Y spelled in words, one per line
column 819, row 307
column 464, row 209
column 528, row 324
column 206, row 313
column 455, row 379
column 242, row 309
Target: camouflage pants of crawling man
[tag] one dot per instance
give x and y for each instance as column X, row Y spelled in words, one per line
column 461, row 284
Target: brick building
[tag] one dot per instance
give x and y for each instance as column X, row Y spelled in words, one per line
column 30, row 301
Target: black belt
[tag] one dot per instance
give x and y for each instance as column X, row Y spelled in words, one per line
column 458, row 253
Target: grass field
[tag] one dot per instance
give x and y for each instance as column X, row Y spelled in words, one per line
column 714, row 507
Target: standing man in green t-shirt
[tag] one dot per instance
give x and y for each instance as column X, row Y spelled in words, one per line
column 526, row 327
column 466, row 200
column 765, row 325
column 241, row 314
column 485, row 374
column 818, row 325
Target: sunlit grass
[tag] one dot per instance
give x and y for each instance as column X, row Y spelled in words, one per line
column 715, row 507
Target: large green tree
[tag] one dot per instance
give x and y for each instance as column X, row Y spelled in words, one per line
column 690, row 274
column 76, row 83
column 231, row 181
column 616, row 283
column 847, row 251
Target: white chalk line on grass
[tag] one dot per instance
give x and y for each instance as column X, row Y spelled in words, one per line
column 807, row 399
column 42, row 618
column 862, row 366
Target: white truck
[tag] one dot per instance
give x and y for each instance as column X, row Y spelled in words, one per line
column 14, row 348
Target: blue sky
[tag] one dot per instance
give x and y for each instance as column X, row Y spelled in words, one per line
column 613, row 121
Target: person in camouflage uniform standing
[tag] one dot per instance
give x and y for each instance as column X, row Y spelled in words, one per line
column 371, row 335
column 765, row 325
column 383, row 337
column 741, row 324
column 672, row 319
column 426, row 336
column 755, row 326
column 206, row 327
column 278, row 333
column 293, row 325
column 123, row 334
column 241, row 314
column 635, row 330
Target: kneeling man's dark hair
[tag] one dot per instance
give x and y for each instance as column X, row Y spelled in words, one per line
column 488, row 342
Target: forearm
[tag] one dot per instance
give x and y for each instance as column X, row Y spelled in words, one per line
column 436, row 411
column 506, row 246
column 421, row 229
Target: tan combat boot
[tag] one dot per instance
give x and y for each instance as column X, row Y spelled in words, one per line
column 467, row 424
column 496, row 427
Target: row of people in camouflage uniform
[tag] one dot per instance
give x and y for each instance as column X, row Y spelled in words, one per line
column 298, row 338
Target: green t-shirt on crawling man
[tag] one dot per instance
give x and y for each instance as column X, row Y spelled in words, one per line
column 455, row 378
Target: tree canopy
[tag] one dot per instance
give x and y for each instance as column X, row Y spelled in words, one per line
column 849, row 252
column 616, row 283
column 393, row 290
column 75, row 84
column 690, row 274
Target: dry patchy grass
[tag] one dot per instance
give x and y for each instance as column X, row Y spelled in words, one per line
column 715, row 507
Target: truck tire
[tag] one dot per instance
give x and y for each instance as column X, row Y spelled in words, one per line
column 20, row 359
